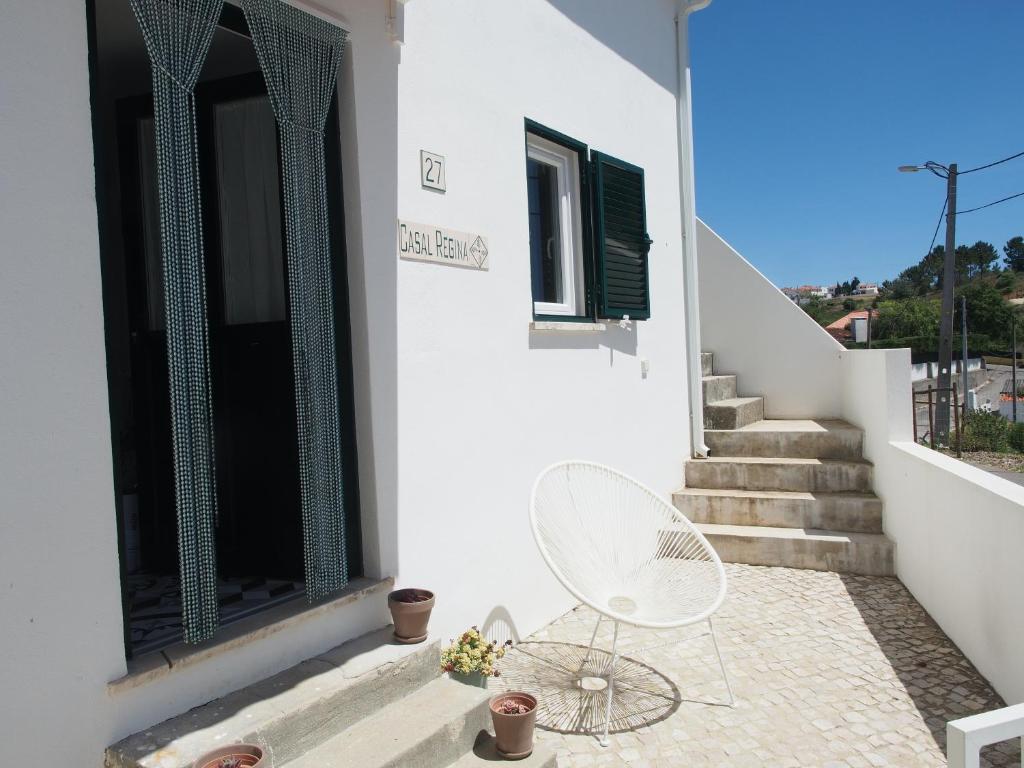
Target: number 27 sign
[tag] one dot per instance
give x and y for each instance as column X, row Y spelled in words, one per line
column 432, row 170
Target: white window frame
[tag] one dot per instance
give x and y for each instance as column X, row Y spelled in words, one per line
column 566, row 163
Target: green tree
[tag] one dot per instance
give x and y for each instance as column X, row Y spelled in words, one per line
column 816, row 309
column 900, row 288
column 1014, row 250
column 930, row 269
column 907, row 317
column 849, row 305
column 987, row 311
column 962, row 263
column 984, row 257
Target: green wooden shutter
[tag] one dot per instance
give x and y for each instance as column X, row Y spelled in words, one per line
column 621, row 243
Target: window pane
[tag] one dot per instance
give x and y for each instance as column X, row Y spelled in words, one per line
column 545, row 232
column 250, row 211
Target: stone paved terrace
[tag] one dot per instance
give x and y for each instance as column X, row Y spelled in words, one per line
column 828, row 669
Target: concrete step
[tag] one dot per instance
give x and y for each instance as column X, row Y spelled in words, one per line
column 293, row 711
column 718, row 388
column 789, row 438
column 779, row 474
column 868, row 554
column 484, row 753
column 733, row 413
column 430, row 728
column 857, row 512
column 706, row 363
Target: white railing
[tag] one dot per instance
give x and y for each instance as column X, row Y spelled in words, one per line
column 965, row 737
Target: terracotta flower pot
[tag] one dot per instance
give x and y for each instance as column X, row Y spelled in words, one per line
column 410, row 612
column 513, row 733
column 246, row 755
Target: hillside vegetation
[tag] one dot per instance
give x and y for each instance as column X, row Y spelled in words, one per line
column 908, row 307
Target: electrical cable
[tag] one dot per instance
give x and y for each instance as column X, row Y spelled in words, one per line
column 997, row 162
column 989, row 205
column 938, row 223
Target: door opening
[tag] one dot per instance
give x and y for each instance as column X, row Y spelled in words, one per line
column 259, row 525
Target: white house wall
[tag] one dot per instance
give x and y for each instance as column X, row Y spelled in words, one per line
column 60, row 594
column 458, row 404
column 484, row 404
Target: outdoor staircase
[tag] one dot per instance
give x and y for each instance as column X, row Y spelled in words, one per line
column 794, row 493
column 369, row 703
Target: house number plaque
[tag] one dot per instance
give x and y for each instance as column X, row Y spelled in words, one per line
column 432, row 170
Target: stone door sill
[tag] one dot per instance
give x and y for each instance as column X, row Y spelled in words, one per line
column 156, row 665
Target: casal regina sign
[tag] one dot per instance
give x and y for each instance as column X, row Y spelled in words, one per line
column 423, row 242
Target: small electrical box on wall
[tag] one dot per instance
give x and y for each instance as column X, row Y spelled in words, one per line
column 432, row 169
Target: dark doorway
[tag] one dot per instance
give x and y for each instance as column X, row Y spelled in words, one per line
column 259, row 526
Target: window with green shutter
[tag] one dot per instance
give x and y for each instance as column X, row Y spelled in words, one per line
column 588, row 231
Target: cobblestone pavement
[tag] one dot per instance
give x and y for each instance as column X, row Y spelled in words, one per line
column 828, row 670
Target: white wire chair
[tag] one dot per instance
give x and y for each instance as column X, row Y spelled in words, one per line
column 624, row 551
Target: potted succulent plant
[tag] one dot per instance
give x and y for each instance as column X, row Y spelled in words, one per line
column 514, row 714
column 233, row 756
column 471, row 658
column 410, row 613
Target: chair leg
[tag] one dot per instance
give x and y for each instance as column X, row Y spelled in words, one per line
column 725, row 675
column 611, row 687
column 590, row 649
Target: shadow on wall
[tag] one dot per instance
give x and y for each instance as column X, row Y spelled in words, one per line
column 627, row 35
column 943, row 684
column 499, row 626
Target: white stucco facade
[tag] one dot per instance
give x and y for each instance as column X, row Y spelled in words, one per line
column 458, row 403
column 484, row 403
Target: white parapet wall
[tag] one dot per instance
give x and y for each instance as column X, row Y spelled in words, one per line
column 755, row 331
column 958, row 529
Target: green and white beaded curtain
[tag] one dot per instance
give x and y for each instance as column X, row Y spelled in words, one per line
column 299, row 55
column 178, row 35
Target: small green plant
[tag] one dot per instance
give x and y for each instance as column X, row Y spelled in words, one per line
column 984, row 431
column 472, row 653
column 1017, row 436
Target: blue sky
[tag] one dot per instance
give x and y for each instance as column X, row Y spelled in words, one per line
column 803, row 109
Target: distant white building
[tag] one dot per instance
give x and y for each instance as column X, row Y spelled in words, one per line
column 804, row 293
column 866, row 289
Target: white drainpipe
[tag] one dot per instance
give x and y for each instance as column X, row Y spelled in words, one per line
column 689, row 219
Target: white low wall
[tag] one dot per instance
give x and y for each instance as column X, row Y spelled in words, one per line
column 958, row 530
column 755, row 331
column 922, row 371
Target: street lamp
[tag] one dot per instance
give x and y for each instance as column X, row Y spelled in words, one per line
column 946, row 321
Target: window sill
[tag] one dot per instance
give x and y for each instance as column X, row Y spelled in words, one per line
column 561, row 326
column 156, row 665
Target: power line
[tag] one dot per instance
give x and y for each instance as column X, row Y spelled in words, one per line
column 938, row 224
column 997, row 162
column 989, row 205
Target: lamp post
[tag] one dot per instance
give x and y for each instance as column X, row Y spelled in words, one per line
column 1013, row 371
column 946, row 320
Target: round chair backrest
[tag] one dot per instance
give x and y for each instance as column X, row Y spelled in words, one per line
column 622, row 549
